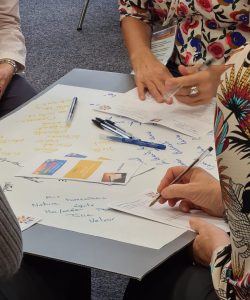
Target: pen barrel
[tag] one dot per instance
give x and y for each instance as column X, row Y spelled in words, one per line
column 144, row 143
column 105, row 126
column 71, row 110
column 117, row 130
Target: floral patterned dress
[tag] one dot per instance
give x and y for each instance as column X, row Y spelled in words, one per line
column 231, row 266
column 206, row 28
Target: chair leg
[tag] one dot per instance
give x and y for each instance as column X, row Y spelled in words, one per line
column 83, row 13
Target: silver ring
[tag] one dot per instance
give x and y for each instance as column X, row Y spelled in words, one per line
column 194, row 91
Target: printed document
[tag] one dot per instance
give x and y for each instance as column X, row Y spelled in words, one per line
column 163, row 213
column 192, row 121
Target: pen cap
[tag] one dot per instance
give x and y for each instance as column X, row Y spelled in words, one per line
column 205, row 153
column 99, row 119
column 98, row 124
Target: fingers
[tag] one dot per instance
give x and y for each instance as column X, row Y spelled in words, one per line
column 179, row 191
column 170, row 175
column 156, row 89
column 188, row 70
column 171, row 202
column 208, row 239
column 197, row 224
column 176, row 192
column 169, row 93
column 141, row 90
column 196, row 76
column 151, row 75
column 185, row 206
column 169, row 100
column 205, row 80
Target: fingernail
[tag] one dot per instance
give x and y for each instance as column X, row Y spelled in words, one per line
column 228, row 66
column 167, row 101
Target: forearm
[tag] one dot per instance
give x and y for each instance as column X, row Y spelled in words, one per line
column 11, row 38
column 150, row 73
column 137, row 38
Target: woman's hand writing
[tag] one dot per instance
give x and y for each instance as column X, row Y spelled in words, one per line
column 196, row 190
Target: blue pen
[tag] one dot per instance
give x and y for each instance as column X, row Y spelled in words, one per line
column 137, row 142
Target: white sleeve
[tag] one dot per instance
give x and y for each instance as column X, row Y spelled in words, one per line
column 12, row 44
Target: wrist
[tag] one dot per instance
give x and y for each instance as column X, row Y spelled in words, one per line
column 11, row 63
column 140, row 53
column 138, row 58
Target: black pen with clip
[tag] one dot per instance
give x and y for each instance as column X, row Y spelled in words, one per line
column 117, row 129
column 103, row 125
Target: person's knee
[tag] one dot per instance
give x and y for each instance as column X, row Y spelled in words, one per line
column 195, row 283
column 17, row 93
column 19, row 86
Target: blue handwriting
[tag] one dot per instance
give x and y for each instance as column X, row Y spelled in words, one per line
column 101, row 220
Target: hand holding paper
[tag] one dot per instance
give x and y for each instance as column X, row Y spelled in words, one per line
column 150, row 66
column 192, row 121
column 204, row 80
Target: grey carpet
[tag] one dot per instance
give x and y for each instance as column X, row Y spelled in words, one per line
column 56, row 47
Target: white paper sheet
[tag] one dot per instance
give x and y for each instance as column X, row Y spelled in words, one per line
column 60, row 204
column 39, row 128
column 192, row 121
column 139, row 205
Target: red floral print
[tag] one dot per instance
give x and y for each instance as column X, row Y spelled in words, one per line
column 187, row 58
column 189, row 24
column 216, row 49
column 182, row 10
column 222, row 24
column 205, row 4
column 213, row 28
